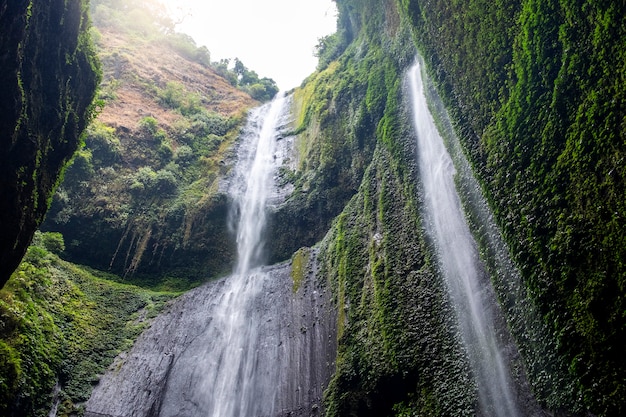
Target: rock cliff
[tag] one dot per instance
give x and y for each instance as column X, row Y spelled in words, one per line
column 49, row 74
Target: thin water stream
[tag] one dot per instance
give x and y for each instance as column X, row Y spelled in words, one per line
column 458, row 258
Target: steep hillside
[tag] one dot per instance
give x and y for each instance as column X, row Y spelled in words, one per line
column 143, row 196
column 48, row 73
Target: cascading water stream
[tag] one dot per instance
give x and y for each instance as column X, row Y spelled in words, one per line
column 257, row 176
column 247, row 345
column 229, row 380
column 458, row 257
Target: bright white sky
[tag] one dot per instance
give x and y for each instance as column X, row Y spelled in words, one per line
column 274, row 38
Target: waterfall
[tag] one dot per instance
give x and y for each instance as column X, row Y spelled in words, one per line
column 253, row 183
column 246, row 345
column 470, row 291
column 227, row 378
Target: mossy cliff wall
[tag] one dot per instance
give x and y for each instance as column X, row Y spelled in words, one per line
column 398, row 350
column 48, row 74
column 536, row 93
column 537, row 89
column 338, row 109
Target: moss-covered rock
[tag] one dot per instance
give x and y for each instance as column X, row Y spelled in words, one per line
column 60, row 327
column 398, row 351
column 336, row 113
column 533, row 91
column 536, row 93
column 49, row 74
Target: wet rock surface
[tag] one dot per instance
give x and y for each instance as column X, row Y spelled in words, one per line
column 162, row 375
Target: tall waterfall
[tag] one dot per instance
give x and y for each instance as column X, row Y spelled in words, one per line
column 468, row 286
column 247, row 345
column 253, row 183
column 228, row 379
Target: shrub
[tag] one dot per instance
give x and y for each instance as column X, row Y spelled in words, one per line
column 81, row 168
column 172, row 95
column 51, row 241
column 149, row 125
column 165, row 182
column 103, row 143
column 184, row 155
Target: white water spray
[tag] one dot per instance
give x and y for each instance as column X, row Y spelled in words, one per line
column 458, row 258
column 247, row 345
column 229, row 378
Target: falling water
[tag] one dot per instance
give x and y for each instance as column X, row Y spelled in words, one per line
column 228, row 377
column 458, row 258
column 247, row 345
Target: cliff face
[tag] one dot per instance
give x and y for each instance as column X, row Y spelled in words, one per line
column 49, row 74
column 535, row 95
column 397, row 346
column 537, row 89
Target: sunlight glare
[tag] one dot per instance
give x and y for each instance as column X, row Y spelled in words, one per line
column 275, row 38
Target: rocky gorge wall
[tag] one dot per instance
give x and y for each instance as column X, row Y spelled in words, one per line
column 534, row 93
column 520, row 96
column 49, row 75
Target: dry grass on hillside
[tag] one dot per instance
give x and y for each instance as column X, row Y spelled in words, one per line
column 135, row 67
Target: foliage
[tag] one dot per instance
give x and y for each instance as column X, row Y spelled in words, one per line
column 397, row 349
column 51, row 241
column 263, row 89
column 537, row 93
column 61, row 325
column 185, row 46
column 148, row 20
column 354, row 159
column 103, row 143
column 49, row 74
column 327, row 49
column 141, row 197
column 337, row 111
column 123, row 185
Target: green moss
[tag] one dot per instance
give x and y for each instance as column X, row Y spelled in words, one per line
column 299, row 264
column 48, row 64
column 532, row 87
column 61, row 324
column 393, row 322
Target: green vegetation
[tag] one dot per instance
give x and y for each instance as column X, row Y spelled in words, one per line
column 299, row 262
column 397, row 349
column 537, row 91
column 61, row 326
column 49, row 74
column 141, row 198
column 337, row 113
column 144, row 188
column 263, row 89
column 146, row 20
